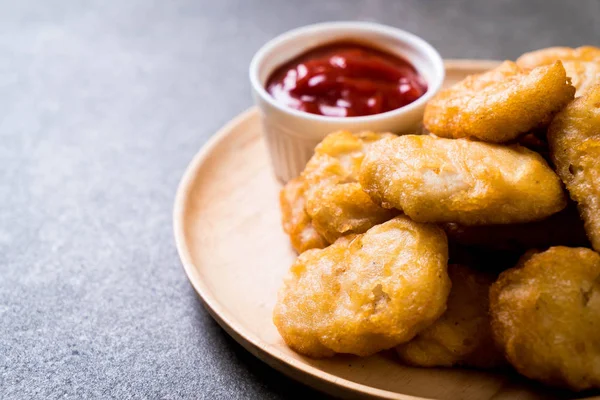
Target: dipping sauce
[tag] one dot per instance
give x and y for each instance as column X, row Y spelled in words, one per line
column 346, row 79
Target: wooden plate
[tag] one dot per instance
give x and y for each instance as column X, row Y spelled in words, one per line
column 230, row 240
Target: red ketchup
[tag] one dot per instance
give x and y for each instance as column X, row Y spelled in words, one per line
column 346, row 79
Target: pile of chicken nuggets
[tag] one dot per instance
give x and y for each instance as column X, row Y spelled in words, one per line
column 474, row 244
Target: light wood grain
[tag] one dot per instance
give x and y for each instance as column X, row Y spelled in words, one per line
column 229, row 237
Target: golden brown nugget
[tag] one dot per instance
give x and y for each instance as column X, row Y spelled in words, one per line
column 344, row 208
column 338, row 157
column 584, row 74
column 326, row 201
column 574, row 139
column 366, row 292
column 456, row 180
column 296, row 222
column 335, row 202
column 546, row 316
column 463, row 334
column 499, row 105
column 582, row 64
column 552, row 54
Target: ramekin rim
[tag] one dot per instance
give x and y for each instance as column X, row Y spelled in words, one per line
column 431, row 53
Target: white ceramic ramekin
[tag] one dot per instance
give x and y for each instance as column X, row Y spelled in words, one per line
column 291, row 135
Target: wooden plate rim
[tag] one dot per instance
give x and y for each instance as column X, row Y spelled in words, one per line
column 272, row 356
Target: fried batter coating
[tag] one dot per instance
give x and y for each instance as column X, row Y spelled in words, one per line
column 499, row 105
column 338, row 157
column 546, row 316
column 296, row 222
column 344, row 208
column 581, row 64
column 366, row 292
column 574, row 139
column 552, row 54
column 456, row 180
column 564, row 228
column 326, row 201
column 584, row 74
column 463, row 334
column 334, row 199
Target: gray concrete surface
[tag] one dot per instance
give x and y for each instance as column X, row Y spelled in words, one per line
column 102, row 105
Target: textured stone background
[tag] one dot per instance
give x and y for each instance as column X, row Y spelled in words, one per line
column 102, row 105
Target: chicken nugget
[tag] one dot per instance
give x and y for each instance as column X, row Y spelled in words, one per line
column 335, row 202
column 433, row 179
column 296, row 222
column 582, row 64
column 366, row 292
column 344, row 208
column 584, row 74
column 546, row 316
column 499, row 105
column 564, row 228
column 338, row 157
column 463, row 334
column 574, row 139
column 552, row 54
